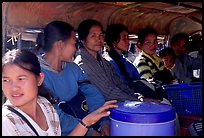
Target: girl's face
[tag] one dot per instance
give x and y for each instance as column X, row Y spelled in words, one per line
column 19, row 85
column 150, row 44
column 68, row 49
column 123, row 44
column 94, row 40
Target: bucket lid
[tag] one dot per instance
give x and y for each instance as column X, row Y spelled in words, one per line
column 143, row 112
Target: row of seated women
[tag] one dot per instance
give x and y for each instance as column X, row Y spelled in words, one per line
column 97, row 77
column 62, row 76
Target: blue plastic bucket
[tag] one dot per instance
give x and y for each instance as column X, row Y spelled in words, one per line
column 142, row 119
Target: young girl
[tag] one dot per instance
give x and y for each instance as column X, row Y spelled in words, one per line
column 22, row 85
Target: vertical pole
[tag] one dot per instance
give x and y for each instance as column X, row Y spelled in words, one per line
column 19, row 41
column 4, row 26
column 4, row 32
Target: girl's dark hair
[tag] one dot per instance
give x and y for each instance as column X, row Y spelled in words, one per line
column 166, row 51
column 54, row 31
column 113, row 35
column 84, row 28
column 28, row 61
column 143, row 33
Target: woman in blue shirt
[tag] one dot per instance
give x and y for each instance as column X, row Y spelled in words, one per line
column 117, row 39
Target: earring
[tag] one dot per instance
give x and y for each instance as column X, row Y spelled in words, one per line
column 39, row 84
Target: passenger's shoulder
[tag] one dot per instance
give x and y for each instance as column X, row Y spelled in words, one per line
column 5, row 113
column 45, row 103
column 139, row 58
column 72, row 67
column 42, row 100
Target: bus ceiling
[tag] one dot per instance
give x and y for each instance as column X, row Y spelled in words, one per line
column 168, row 18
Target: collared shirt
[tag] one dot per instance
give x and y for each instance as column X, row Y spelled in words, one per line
column 13, row 125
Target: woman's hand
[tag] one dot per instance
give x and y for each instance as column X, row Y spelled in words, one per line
column 96, row 115
column 92, row 118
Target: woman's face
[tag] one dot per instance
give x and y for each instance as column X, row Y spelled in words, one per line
column 94, row 40
column 150, row 44
column 123, row 44
column 68, row 49
column 19, row 85
column 180, row 47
